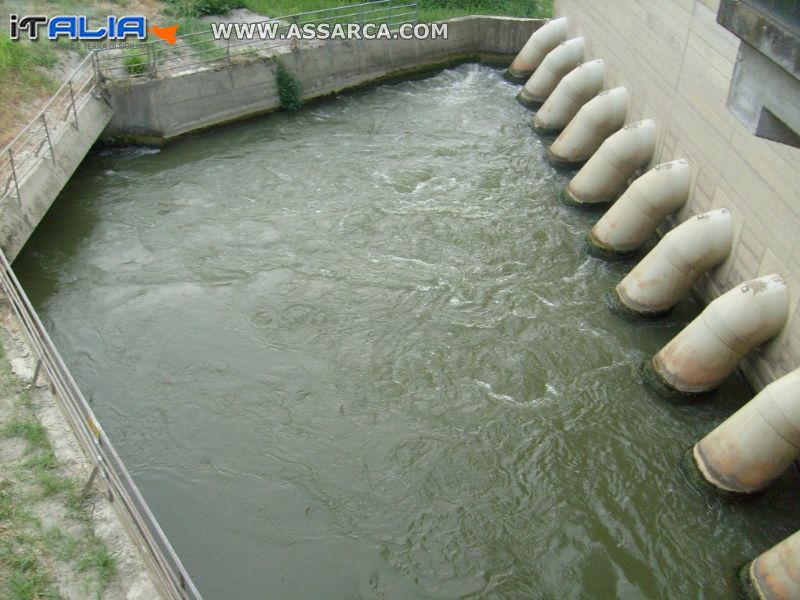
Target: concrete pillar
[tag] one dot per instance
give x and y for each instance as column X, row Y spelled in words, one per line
column 775, row 575
column 596, row 120
column 751, row 448
column 669, row 270
column 604, row 177
column 577, row 87
column 636, row 215
column 558, row 62
column 543, row 40
column 709, row 348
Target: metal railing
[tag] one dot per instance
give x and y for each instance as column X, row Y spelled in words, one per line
column 200, row 48
column 136, row 515
column 35, row 142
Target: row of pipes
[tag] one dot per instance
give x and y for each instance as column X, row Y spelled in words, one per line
column 759, row 442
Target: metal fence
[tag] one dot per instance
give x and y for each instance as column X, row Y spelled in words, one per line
column 35, row 141
column 158, row 552
column 196, row 49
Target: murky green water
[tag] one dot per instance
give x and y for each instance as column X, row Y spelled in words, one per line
column 359, row 352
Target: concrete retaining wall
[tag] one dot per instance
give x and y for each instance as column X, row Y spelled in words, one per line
column 676, row 63
column 41, row 186
column 160, row 109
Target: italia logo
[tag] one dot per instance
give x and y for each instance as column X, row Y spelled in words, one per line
column 77, row 27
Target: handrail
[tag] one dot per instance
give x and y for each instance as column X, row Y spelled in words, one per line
column 161, row 57
column 21, row 155
column 134, row 512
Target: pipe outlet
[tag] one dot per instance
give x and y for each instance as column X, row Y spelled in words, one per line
column 751, row 448
column 542, row 41
column 670, row 269
column 775, row 575
column 636, row 215
column 558, row 62
column 604, row 176
column 596, row 120
column 577, row 87
column 709, row 348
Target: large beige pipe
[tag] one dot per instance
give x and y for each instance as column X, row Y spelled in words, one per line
column 596, row 120
column 751, row 448
column 669, row 270
column 579, row 86
column 775, row 575
column 543, row 40
column 709, row 348
column 636, row 215
column 605, row 175
column 558, row 62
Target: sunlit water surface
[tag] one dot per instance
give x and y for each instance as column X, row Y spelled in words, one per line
column 360, row 352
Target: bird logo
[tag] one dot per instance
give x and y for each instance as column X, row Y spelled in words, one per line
column 165, row 33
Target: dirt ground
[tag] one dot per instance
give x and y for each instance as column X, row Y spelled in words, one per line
column 53, row 541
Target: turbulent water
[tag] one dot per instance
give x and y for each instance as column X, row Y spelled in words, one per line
column 360, row 352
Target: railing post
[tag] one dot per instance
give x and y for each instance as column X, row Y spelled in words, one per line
column 96, row 66
column 295, row 41
column 14, row 175
column 151, row 57
column 72, row 99
column 49, row 141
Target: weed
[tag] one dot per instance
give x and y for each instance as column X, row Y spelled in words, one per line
column 288, row 88
column 28, row 429
column 99, row 559
column 135, row 62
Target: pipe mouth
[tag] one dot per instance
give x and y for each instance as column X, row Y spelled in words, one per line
column 636, row 310
column 616, row 305
column 690, row 469
column 597, row 249
column 663, row 388
column 563, row 164
column 749, row 583
column 717, row 481
column 528, row 102
column 545, row 131
column 570, row 199
column 515, row 76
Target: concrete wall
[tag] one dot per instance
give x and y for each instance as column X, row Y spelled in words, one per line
column 40, row 187
column 676, row 63
column 161, row 109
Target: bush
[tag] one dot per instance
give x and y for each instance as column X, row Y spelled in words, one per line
column 288, row 88
column 135, row 62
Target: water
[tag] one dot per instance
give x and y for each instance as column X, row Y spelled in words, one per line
column 360, row 352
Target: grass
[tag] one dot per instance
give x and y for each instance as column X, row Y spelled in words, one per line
column 429, row 10
column 21, row 76
column 29, row 551
column 29, row 430
column 135, row 62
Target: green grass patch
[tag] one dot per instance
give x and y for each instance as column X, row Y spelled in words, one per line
column 24, row 577
column 199, row 8
column 30, row 430
column 135, row 62
column 21, row 76
column 41, row 461
column 429, row 10
column 98, row 560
